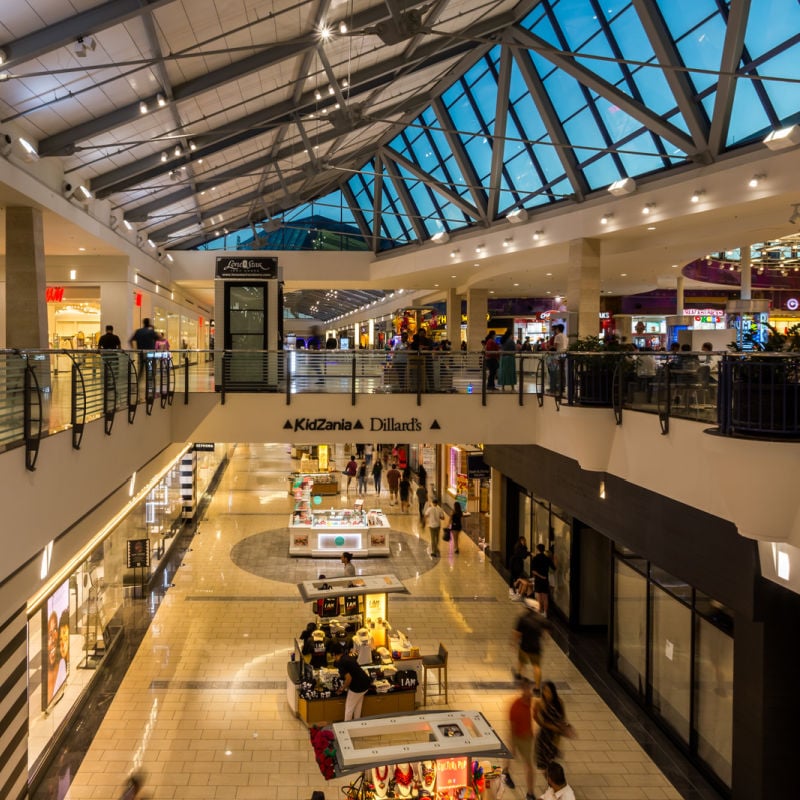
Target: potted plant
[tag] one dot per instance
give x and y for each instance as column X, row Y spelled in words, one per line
column 591, row 377
column 764, row 386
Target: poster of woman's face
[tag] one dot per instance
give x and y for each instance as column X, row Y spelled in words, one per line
column 55, row 666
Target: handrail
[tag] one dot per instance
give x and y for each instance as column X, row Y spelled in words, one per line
column 32, row 397
column 109, row 393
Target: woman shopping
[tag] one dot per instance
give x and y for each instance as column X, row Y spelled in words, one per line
column 551, row 724
column 455, row 525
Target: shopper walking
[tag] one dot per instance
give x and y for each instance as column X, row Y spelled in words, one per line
column 109, row 340
column 434, row 516
column 422, row 499
column 520, row 715
column 351, row 469
column 551, row 719
column 492, row 359
column 455, row 525
column 507, row 373
column 355, row 681
column 404, row 492
column 144, row 338
column 377, row 473
column 528, row 634
column 349, row 567
column 361, row 475
column 541, row 565
column 393, row 480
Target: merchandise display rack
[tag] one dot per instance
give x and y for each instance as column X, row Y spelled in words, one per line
column 429, row 754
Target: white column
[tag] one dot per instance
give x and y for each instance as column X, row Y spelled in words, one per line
column 583, row 287
column 746, row 290
column 477, row 310
column 679, row 301
column 454, row 318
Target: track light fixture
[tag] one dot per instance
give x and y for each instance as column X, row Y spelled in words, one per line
column 537, row 235
column 142, row 107
column 696, row 195
column 161, row 100
column 3, row 56
column 756, row 180
column 77, row 191
column 6, row 144
column 606, row 218
column 454, row 253
column 648, row 208
column 517, row 215
column 508, row 241
column 164, row 157
column 84, row 45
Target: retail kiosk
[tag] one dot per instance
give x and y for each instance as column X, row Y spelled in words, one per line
column 353, row 611
column 430, row 754
column 326, row 533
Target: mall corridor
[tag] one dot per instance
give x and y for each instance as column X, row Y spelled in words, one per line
column 203, row 708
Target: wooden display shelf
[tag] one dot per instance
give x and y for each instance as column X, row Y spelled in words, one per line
column 331, row 709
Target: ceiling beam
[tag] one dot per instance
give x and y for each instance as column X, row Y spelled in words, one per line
column 378, row 75
column 677, row 79
column 553, row 126
column 726, row 85
column 434, row 184
column 63, row 143
column 610, row 92
column 499, row 133
column 409, row 206
column 463, row 161
column 66, row 32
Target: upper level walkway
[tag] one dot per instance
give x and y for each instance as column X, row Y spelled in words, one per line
column 641, row 417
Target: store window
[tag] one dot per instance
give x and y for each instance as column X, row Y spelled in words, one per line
column 562, row 551
column 671, row 650
column 673, row 646
column 72, row 629
column 630, row 626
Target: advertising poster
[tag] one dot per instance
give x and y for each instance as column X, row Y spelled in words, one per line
column 55, row 647
column 138, row 553
column 462, row 490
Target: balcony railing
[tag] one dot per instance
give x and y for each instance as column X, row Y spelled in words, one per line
column 44, row 391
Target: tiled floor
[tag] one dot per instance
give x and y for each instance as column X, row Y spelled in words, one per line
column 203, row 709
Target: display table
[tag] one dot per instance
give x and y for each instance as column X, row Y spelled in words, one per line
column 343, row 604
column 328, row 534
column 326, row 483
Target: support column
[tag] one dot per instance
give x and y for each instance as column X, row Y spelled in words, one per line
column 26, row 282
column 583, row 287
column 454, row 318
column 746, row 290
column 477, row 310
column 679, row 298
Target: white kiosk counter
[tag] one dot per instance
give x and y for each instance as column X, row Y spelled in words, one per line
column 327, row 534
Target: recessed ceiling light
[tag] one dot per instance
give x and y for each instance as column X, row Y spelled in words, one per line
column 674, row 266
column 435, row 285
column 82, row 249
column 491, row 291
column 651, row 227
column 623, row 274
column 516, row 284
column 549, row 274
column 549, row 292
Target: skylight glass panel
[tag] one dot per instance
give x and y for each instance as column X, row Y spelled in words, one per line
column 577, row 19
column 601, row 172
column 701, row 48
column 362, row 187
column 683, row 15
column 641, row 155
column 436, row 210
column 395, row 225
column 747, row 114
column 785, row 97
column 770, row 24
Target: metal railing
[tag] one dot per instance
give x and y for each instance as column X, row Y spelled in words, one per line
column 756, row 395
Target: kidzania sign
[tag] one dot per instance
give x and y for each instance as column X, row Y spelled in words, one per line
column 373, row 424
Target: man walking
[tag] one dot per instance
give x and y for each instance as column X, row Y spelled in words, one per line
column 434, row 516
column 528, row 636
column 144, row 338
column 393, row 479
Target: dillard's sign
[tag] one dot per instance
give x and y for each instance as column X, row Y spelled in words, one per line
column 374, row 424
column 247, row 267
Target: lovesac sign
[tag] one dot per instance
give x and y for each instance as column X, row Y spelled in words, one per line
column 247, row 267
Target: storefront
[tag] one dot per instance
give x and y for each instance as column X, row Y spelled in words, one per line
column 672, row 646
column 74, row 624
